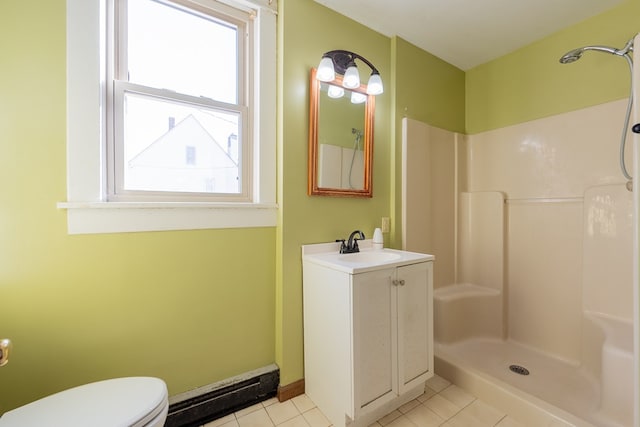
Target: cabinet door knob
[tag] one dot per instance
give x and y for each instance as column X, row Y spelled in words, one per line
column 398, row 282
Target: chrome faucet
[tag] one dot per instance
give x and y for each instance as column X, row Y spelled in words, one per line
column 352, row 244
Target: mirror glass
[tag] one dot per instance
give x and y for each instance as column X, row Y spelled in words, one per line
column 340, row 139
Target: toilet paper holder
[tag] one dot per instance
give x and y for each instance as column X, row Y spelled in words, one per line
column 5, row 349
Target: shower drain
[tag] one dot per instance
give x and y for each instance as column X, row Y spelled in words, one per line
column 520, row 370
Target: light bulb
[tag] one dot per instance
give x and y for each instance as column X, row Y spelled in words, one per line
column 374, row 87
column 335, row 91
column 351, row 78
column 325, row 72
column 358, row 98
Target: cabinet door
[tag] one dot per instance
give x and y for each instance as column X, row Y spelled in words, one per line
column 374, row 339
column 415, row 327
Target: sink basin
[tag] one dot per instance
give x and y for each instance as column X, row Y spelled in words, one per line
column 372, row 257
column 368, row 259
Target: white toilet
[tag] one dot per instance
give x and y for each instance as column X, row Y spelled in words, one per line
column 126, row 402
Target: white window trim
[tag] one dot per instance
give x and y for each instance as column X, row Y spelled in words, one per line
column 88, row 210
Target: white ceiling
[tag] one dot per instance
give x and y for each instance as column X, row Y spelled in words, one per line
column 467, row 33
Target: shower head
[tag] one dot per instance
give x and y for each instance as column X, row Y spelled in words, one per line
column 575, row 54
column 625, row 52
column 571, row 56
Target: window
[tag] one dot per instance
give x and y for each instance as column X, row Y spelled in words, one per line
column 171, row 114
column 179, row 78
column 190, row 155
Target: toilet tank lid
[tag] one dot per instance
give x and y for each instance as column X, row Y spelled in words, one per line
column 109, row 403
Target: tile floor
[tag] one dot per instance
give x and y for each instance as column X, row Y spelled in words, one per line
column 442, row 404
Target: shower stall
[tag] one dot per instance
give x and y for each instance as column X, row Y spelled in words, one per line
column 535, row 234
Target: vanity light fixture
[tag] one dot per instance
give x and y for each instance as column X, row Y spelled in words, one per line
column 335, row 91
column 344, row 62
column 358, row 98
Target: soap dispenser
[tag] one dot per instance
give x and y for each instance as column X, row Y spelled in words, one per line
column 378, row 240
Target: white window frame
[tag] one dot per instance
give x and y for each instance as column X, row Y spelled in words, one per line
column 118, row 72
column 87, row 205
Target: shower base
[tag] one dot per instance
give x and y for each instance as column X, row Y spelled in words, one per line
column 553, row 393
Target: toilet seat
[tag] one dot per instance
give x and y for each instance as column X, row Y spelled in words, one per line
column 126, row 402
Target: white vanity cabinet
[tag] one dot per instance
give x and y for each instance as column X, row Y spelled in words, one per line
column 368, row 334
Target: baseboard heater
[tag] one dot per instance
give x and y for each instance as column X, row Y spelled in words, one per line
column 199, row 406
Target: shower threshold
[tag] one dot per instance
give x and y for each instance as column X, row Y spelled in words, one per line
column 554, row 391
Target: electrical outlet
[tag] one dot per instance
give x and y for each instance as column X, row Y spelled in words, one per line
column 386, row 223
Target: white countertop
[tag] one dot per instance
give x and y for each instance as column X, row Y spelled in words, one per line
column 368, row 259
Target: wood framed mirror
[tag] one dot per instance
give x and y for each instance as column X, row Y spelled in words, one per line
column 340, row 139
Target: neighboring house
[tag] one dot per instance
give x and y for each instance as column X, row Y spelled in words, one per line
column 189, row 158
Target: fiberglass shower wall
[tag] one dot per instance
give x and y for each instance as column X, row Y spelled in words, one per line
column 546, row 168
column 550, row 172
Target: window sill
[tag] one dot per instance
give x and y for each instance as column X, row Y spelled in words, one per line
column 126, row 217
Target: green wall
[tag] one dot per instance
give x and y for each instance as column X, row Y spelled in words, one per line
column 426, row 89
column 309, row 30
column 337, row 118
column 530, row 83
column 178, row 305
column 430, row 89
